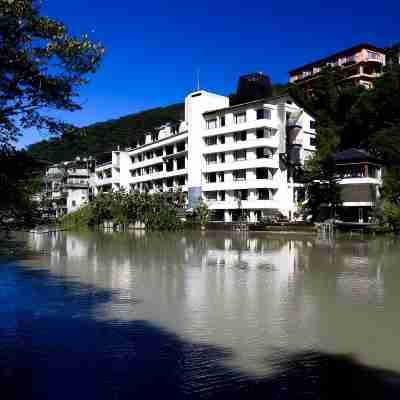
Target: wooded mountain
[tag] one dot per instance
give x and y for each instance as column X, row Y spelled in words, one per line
column 105, row 136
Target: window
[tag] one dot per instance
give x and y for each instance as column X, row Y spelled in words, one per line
column 264, row 173
column 180, row 146
column 140, row 157
column 154, row 136
column 241, row 194
column 180, row 163
column 239, row 155
column 240, row 136
column 313, row 141
column 264, row 152
column 312, row 124
column 372, row 56
column 263, row 194
column 73, row 203
column 221, row 139
column 239, row 118
column 222, row 121
column 211, row 141
column 211, row 196
column 134, row 144
column 174, row 129
column 170, row 182
column 158, row 168
column 239, row 175
column 159, row 152
column 264, row 113
column 221, row 158
column 169, row 165
column 149, row 155
column 211, row 158
column 142, row 141
column 211, row 123
column 221, row 176
column 169, row 150
column 222, row 195
column 211, row 177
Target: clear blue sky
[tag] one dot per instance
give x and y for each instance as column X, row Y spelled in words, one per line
column 154, row 47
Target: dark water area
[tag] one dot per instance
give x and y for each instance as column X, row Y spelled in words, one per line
column 213, row 315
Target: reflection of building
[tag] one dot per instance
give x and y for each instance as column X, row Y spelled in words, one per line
column 360, row 178
column 360, row 65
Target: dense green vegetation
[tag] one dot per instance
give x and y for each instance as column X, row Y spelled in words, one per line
column 104, row 136
column 349, row 116
column 155, row 211
column 42, row 67
column 19, row 181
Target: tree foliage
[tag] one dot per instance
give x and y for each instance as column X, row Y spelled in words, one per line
column 350, row 116
column 42, row 67
column 104, row 136
column 19, row 181
column 156, row 211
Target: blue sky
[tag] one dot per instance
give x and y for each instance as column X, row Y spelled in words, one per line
column 154, row 48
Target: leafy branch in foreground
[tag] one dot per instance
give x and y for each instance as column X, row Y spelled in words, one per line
column 41, row 68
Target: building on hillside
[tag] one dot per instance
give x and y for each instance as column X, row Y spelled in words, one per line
column 361, row 65
column 66, row 187
column 106, row 176
column 241, row 159
column 360, row 177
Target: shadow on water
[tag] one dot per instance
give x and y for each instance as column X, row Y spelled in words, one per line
column 52, row 347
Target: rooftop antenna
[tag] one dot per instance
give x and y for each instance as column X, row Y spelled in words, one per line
column 198, row 78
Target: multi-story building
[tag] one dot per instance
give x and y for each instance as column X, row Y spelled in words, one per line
column 240, row 159
column 66, row 186
column 360, row 64
column 106, row 176
column 359, row 177
column 158, row 161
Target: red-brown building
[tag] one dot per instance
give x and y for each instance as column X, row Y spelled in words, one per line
column 361, row 64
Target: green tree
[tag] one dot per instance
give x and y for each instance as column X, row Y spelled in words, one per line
column 42, row 67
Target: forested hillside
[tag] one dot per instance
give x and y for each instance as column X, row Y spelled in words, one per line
column 104, row 136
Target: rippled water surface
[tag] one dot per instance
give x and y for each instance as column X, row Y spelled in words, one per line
column 193, row 315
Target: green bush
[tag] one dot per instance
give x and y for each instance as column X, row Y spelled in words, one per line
column 157, row 211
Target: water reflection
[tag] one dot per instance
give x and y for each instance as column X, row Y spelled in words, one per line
column 247, row 292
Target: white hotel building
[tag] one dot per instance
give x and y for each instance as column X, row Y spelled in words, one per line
column 236, row 157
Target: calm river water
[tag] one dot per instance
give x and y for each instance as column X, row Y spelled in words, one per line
column 201, row 315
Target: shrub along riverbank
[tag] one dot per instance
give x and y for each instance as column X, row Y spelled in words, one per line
column 157, row 211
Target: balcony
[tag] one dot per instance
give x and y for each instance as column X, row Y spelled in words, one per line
column 244, row 184
column 254, row 204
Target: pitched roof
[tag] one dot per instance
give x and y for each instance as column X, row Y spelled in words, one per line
column 357, row 155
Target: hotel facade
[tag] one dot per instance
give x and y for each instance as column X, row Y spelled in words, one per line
column 241, row 160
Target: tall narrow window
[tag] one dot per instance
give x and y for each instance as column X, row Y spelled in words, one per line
column 222, row 121
column 240, row 118
column 263, row 194
column 211, row 123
